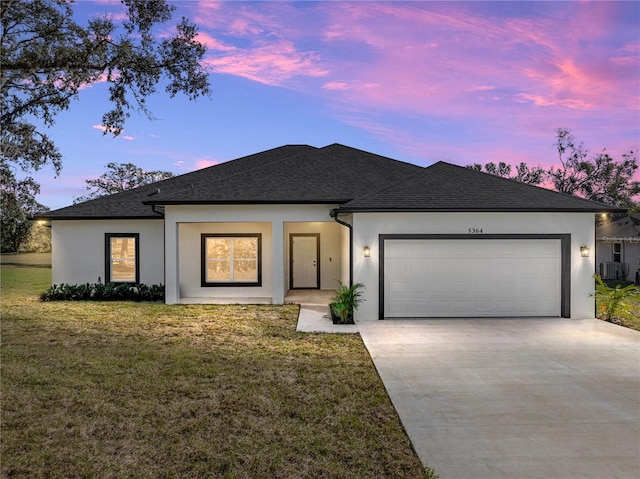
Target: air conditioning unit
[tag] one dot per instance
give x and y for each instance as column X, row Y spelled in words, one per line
column 611, row 270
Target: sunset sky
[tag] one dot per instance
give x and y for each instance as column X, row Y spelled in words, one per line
column 462, row 82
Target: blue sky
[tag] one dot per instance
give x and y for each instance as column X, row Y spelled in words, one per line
column 462, row 82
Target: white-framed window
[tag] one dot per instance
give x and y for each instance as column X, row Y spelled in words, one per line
column 231, row 260
column 122, row 258
column 617, row 252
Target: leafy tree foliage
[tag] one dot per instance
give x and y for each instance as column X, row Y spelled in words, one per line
column 17, row 207
column 121, row 177
column 524, row 174
column 47, row 58
column 598, row 178
column 38, row 240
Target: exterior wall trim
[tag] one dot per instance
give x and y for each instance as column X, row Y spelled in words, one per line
column 107, row 256
column 565, row 261
column 203, row 266
column 317, row 236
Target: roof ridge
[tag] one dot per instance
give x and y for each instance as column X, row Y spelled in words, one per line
column 529, row 185
column 144, row 191
column 359, row 150
column 265, row 163
column 386, row 187
column 437, row 187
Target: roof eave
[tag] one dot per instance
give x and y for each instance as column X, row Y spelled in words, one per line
column 45, row 217
column 248, row 202
column 480, row 210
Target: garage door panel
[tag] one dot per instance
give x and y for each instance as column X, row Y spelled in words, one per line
column 416, row 306
column 449, row 278
column 396, row 309
column 417, row 267
column 418, row 287
column 395, row 287
column 398, row 268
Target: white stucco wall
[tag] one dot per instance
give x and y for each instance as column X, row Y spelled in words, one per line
column 78, row 249
column 190, row 260
column 274, row 219
column 367, row 227
column 330, row 249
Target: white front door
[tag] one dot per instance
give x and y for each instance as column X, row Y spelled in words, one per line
column 304, row 261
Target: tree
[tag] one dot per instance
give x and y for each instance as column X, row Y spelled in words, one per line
column 599, row 178
column 121, row 177
column 47, row 58
column 525, row 174
column 17, row 207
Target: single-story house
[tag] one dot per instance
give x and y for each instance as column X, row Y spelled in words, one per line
column 440, row 241
column 618, row 248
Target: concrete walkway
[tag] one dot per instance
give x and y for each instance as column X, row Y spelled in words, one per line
column 314, row 312
column 316, row 319
column 514, row 398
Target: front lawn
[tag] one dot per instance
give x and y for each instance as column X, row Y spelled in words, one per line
column 149, row 390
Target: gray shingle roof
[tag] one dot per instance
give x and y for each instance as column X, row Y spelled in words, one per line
column 336, row 174
column 627, row 227
column 129, row 204
column 333, row 174
column 446, row 187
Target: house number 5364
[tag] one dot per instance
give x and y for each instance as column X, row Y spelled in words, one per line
column 475, row 230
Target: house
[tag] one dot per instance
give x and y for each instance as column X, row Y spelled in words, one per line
column 618, row 248
column 441, row 241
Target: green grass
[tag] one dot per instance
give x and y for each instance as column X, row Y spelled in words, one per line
column 150, row 390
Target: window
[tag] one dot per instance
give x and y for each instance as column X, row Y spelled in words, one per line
column 231, row 260
column 122, row 258
column 617, row 252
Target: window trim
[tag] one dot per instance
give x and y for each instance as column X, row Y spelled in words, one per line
column 616, row 256
column 107, row 256
column 203, row 260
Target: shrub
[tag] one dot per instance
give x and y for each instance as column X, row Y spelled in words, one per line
column 104, row 292
column 614, row 299
column 38, row 240
column 346, row 301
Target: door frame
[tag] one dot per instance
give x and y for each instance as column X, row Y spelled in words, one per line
column 317, row 236
column 565, row 260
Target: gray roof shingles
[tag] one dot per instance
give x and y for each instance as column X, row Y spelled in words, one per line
column 446, row 187
column 333, row 174
column 129, row 204
column 336, row 174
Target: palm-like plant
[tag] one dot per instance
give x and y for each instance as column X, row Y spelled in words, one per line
column 346, row 301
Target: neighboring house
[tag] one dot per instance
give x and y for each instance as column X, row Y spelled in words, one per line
column 441, row 241
column 618, row 248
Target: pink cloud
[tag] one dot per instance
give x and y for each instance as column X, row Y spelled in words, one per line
column 204, row 163
column 271, row 64
column 102, row 128
column 336, row 85
column 492, row 68
column 213, row 43
column 105, row 129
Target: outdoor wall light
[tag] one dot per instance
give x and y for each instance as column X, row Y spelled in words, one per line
column 584, row 251
column 367, row 251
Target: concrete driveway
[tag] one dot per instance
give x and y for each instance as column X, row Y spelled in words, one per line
column 514, row 398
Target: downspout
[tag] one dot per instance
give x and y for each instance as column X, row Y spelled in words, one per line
column 334, row 214
column 154, row 206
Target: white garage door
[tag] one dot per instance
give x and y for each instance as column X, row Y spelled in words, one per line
column 471, row 278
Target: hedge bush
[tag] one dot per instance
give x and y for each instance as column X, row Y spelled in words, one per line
column 104, row 292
